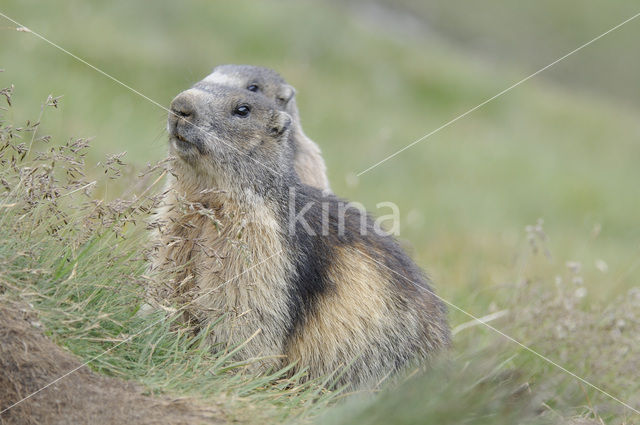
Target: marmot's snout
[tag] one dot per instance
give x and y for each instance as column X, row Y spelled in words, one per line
column 182, row 117
column 183, row 105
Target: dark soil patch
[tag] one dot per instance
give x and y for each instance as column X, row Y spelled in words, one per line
column 29, row 361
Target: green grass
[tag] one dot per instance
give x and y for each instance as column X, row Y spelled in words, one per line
column 534, row 34
column 466, row 194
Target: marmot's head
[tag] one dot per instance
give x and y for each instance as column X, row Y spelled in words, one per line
column 258, row 80
column 231, row 138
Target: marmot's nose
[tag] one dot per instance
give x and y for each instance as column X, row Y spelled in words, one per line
column 183, row 105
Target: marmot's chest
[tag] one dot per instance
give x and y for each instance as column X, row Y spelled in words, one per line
column 232, row 262
column 235, row 272
column 199, row 245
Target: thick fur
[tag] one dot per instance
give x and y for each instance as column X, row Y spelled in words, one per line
column 285, row 290
column 308, row 161
column 359, row 301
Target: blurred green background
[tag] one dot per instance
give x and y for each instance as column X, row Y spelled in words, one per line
column 371, row 78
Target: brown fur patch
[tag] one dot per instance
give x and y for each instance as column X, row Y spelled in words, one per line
column 346, row 320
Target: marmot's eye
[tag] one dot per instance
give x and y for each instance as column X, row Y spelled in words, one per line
column 242, row 111
column 253, row 87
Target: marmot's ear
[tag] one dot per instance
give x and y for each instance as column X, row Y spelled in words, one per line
column 280, row 123
column 285, row 94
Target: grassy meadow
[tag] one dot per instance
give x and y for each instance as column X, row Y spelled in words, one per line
column 526, row 209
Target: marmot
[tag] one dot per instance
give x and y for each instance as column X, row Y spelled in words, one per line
column 278, row 268
column 308, row 160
